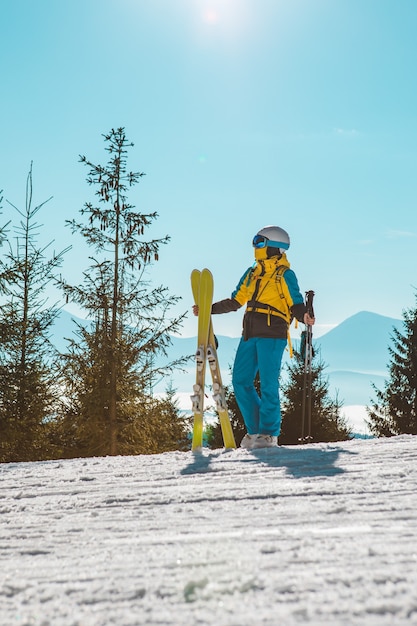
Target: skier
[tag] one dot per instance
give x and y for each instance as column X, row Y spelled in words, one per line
column 272, row 296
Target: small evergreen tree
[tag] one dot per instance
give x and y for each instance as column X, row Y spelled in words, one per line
column 161, row 426
column 395, row 409
column 28, row 371
column 110, row 366
column 327, row 422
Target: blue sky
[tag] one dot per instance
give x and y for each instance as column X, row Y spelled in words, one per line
column 243, row 113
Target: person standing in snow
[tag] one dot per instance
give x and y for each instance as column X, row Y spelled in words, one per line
column 272, row 296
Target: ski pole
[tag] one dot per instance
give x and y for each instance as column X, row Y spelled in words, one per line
column 307, row 383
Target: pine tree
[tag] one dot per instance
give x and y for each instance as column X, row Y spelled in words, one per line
column 161, row 426
column 27, row 359
column 327, row 424
column 395, row 409
column 110, row 365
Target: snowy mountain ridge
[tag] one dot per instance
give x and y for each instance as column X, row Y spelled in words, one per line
column 320, row 534
column 355, row 353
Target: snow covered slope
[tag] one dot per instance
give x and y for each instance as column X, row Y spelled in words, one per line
column 315, row 534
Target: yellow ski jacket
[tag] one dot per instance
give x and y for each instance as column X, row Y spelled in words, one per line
column 272, row 296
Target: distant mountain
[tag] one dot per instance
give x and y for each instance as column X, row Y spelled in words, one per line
column 64, row 328
column 359, row 344
column 355, row 354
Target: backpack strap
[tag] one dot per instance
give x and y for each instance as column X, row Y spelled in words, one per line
column 279, row 273
column 278, row 278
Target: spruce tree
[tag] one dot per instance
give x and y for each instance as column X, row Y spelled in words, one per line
column 110, row 366
column 395, row 409
column 28, row 367
column 326, row 420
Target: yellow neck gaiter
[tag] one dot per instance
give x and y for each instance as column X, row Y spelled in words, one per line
column 260, row 254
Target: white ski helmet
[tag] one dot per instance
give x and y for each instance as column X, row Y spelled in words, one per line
column 272, row 237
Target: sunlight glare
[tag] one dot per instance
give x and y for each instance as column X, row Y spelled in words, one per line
column 228, row 18
column 210, row 17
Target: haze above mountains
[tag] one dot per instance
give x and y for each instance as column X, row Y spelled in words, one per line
column 355, row 354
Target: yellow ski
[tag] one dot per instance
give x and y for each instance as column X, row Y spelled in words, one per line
column 218, row 392
column 202, row 288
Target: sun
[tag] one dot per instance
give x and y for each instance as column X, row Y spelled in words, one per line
column 210, row 16
column 228, row 18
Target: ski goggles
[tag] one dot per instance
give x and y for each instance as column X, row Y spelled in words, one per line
column 260, row 241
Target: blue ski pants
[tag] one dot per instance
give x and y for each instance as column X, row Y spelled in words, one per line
column 263, row 355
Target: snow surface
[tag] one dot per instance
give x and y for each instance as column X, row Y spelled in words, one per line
column 314, row 534
column 356, row 418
